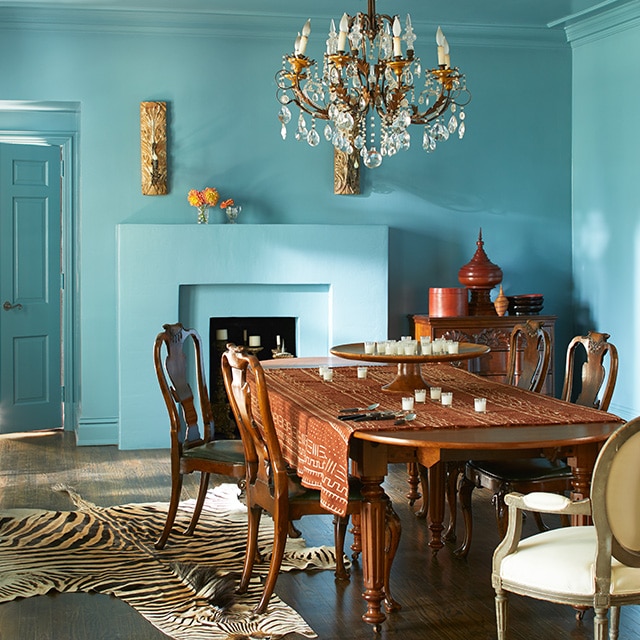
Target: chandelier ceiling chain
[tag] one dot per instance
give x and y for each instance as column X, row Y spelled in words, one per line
column 365, row 73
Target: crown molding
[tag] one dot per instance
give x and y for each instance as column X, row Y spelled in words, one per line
column 239, row 24
column 602, row 21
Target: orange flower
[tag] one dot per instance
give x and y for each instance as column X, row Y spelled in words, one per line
column 227, row 203
column 208, row 197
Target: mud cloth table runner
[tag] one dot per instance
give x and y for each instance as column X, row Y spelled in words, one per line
column 316, row 443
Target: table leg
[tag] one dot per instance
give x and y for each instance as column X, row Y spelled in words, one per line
column 436, row 505
column 373, row 510
column 582, row 463
column 370, row 465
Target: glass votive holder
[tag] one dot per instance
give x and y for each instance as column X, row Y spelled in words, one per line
column 426, row 348
column 446, row 397
column 435, row 392
column 369, row 347
column 410, row 348
column 381, row 347
column 407, row 403
column 453, row 346
column 328, row 375
column 425, row 340
column 480, row 405
column 322, row 370
column 420, row 395
column 362, row 372
column 390, row 348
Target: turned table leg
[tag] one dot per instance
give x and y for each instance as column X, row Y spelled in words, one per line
column 436, row 505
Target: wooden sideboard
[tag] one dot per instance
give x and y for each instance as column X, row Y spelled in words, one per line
column 494, row 331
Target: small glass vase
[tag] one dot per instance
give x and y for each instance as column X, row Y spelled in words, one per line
column 203, row 215
column 232, row 213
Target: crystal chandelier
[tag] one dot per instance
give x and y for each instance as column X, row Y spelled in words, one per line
column 367, row 90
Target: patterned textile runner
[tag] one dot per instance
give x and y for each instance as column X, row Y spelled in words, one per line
column 316, row 443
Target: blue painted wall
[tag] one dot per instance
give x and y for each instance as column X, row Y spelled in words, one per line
column 510, row 175
column 606, row 192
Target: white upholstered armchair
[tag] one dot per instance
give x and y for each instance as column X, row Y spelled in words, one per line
column 584, row 566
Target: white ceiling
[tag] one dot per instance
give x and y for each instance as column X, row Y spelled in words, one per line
column 523, row 13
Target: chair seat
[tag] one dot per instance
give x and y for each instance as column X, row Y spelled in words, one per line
column 299, row 492
column 562, row 561
column 529, row 469
column 230, row 451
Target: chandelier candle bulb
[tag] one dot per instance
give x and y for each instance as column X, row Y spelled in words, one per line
column 440, row 40
column 304, row 38
column 342, row 37
column 397, row 43
column 254, row 341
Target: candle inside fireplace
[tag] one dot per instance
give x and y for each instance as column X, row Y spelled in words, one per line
column 254, row 341
column 221, row 334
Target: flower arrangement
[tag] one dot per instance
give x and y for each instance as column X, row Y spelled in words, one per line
column 203, row 200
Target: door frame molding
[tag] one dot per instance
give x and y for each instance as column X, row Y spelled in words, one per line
column 57, row 124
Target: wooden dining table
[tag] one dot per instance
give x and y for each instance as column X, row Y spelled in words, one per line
column 325, row 450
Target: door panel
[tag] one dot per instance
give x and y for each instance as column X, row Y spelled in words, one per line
column 30, row 345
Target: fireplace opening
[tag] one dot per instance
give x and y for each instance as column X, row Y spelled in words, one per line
column 265, row 337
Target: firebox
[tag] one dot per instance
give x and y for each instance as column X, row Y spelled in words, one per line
column 265, row 337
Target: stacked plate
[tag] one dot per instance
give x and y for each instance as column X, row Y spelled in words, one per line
column 529, row 304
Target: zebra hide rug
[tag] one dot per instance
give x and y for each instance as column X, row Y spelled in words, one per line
column 187, row 590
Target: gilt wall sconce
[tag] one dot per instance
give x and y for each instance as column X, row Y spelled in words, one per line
column 153, row 147
column 346, row 173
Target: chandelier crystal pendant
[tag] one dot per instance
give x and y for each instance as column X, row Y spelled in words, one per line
column 367, row 90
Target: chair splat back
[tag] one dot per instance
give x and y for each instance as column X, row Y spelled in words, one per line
column 594, row 377
column 175, row 387
column 262, row 448
column 535, row 358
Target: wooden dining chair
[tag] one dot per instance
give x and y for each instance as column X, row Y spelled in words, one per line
column 193, row 447
column 542, row 474
column 274, row 487
column 584, row 566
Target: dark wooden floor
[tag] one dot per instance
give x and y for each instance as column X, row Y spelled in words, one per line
column 443, row 597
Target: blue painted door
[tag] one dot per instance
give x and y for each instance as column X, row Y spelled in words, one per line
column 30, row 288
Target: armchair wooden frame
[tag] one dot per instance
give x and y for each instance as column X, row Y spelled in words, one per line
column 584, row 566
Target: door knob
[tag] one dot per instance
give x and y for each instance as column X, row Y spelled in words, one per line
column 7, row 306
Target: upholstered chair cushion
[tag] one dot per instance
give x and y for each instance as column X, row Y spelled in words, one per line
column 562, row 561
